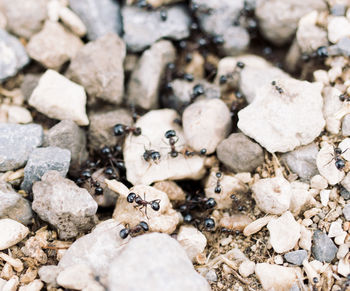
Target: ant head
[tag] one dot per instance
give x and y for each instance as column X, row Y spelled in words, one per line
column 137, row 131
column 109, row 171
column 342, row 97
column 273, row 83
column 170, row 133
column 338, row 151
column 118, row 129
column 188, row 77
column 124, row 233
column 86, row 174
column 155, row 205
column 218, row 175
column 174, row 154
column 144, row 225
column 217, row 190
column 198, row 90
column 105, row 151
column 188, row 218
column 240, row 65
column 131, row 197
column 155, row 156
column 210, row 203
column 340, row 164
column 209, row 223
column 203, row 152
column 98, row 190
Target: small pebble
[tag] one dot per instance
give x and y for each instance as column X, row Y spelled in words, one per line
column 342, row 251
column 323, row 249
column 318, row 182
column 296, row 257
column 246, row 268
column 192, row 240
column 336, row 228
column 346, row 212
column 211, row 276
column 75, row 277
column 11, row 232
column 35, row 285
column 338, row 27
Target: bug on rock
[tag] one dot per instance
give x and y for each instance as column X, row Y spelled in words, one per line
column 143, row 203
column 125, row 232
column 151, row 155
column 278, row 88
column 340, row 162
column 122, row 129
column 218, row 189
column 172, row 138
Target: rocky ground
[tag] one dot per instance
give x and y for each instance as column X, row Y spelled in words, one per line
column 174, row 145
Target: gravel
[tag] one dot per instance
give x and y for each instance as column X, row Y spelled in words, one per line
column 296, row 257
column 323, row 248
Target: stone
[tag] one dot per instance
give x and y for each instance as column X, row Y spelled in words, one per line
column 338, row 28
column 166, row 262
column 301, row 198
column 76, row 211
column 13, row 205
column 154, row 124
column 13, row 55
column 16, row 144
column 318, row 182
column 59, row 98
column 72, row 21
column 346, row 182
column 336, row 228
column 278, row 19
column 98, row 67
column 332, row 105
column 99, row 16
column 346, row 125
column 18, row 114
column 206, row 123
column 174, row 191
column 11, row 232
column 257, row 225
column 346, row 212
column 24, row 18
column 235, row 222
column 296, row 257
column 35, row 285
column 324, row 197
column 142, row 28
column 323, row 249
column 302, row 161
column 284, row 232
column 192, row 240
column 30, row 81
column 211, row 276
column 75, row 277
column 53, row 45
column 239, row 153
column 246, row 268
column 343, row 46
column 272, row 195
column 145, row 80
column 42, row 160
column 343, row 251
column 344, row 193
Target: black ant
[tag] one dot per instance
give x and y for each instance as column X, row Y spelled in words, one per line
column 200, row 203
column 151, row 155
column 344, row 97
column 109, row 157
column 121, row 129
column 188, row 153
column 217, row 189
column 278, row 88
column 339, row 160
column 87, row 176
column 142, row 203
column 233, row 75
column 173, row 138
column 125, row 232
column 163, row 14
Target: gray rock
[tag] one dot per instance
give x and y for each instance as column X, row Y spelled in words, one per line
column 98, row 67
column 302, row 161
column 67, row 135
column 239, row 153
column 168, row 267
column 13, row 55
column 42, row 160
column 346, row 120
column 142, row 28
column 346, row 212
column 13, row 205
column 30, row 81
column 99, row 16
column 296, row 257
column 338, row 9
column 16, row 143
column 323, row 248
column 63, row 204
column 344, row 193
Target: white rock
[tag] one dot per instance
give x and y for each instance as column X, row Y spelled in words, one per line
column 59, row 98
column 343, row 251
column 11, row 232
column 344, row 267
column 206, row 123
column 246, row 268
column 192, row 240
column 326, row 166
column 35, row 285
column 336, row 228
column 284, row 232
column 71, row 20
column 2, row 283
column 324, row 196
column 321, row 76
column 11, row 285
column 318, row 182
column 278, row 260
column 332, row 105
column 75, row 277
column 338, row 27
column 18, row 114
column 257, row 225
column 272, row 195
column 340, row 239
column 282, row 121
column 300, row 198
column 345, row 147
column 154, row 124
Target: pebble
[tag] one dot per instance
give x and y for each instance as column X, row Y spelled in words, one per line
column 323, row 249
column 272, row 195
column 301, row 198
column 235, row 222
column 346, row 182
column 296, row 257
column 99, row 16
column 284, row 232
column 42, row 160
column 174, row 191
column 59, row 98
column 35, row 285
column 13, row 55
column 72, row 21
column 13, row 205
column 336, row 228
column 77, row 208
column 298, row 120
column 154, row 124
column 192, row 240
column 18, row 114
column 12, row 284
column 48, row 274
column 302, row 161
column 338, row 27
column 257, row 225
column 16, row 144
column 346, row 212
column 332, row 105
column 343, row 46
column 206, row 123
column 11, row 232
column 344, row 193
column 29, row 82
column 318, row 182
column 146, row 78
column 75, row 277
column 246, row 268
column 324, row 197
column 166, row 262
column 53, row 45
column 239, row 153
column 346, row 125
column 142, row 28
column 343, row 267
column 211, row 276
column 98, row 67
column 343, row 251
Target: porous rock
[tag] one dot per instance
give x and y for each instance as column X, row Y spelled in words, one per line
column 11, row 232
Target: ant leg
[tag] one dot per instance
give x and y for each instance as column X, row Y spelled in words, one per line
column 344, row 151
column 330, row 160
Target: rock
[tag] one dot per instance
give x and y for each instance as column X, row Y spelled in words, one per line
column 75, row 277
column 296, row 257
column 211, row 276
column 77, row 208
column 59, row 98
column 302, row 161
column 35, row 285
column 154, row 124
column 336, row 228
column 273, row 277
column 166, row 262
column 346, row 212
column 305, row 238
column 324, row 197
column 48, row 274
column 164, row 220
column 30, row 81
column 346, row 182
column 13, row 205
column 98, row 67
column 257, row 225
column 16, row 144
column 338, row 28
column 272, row 195
column 284, row 232
column 24, row 18
column 67, row 135
column 18, row 114
column 301, row 197
column 323, row 249
column 11, row 232
column 72, row 21
column 343, row 46
column 332, row 105
column 206, row 123
column 278, row 19
column 145, row 80
column 239, row 153
column 346, row 125
column 101, row 127
column 192, row 240
column 344, row 193
column 174, row 191
column 318, row 182
column 142, row 28
column 53, row 45
column 13, row 55
column 99, row 16
column 246, row 268
column 236, row 222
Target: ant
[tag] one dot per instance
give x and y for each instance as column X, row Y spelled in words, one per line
column 121, row 129
column 151, row 155
column 87, row 176
column 339, row 160
column 173, row 139
column 234, row 75
column 217, row 189
column 206, row 203
column 189, row 153
column 125, row 232
column 344, row 97
column 278, row 89
column 142, row 203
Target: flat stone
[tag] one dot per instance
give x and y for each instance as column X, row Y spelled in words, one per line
column 246, row 268
column 18, row 114
column 318, row 182
column 35, row 285
column 296, row 257
column 192, row 240
column 323, row 248
column 11, row 232
column 346, row 212
column 336, row 228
